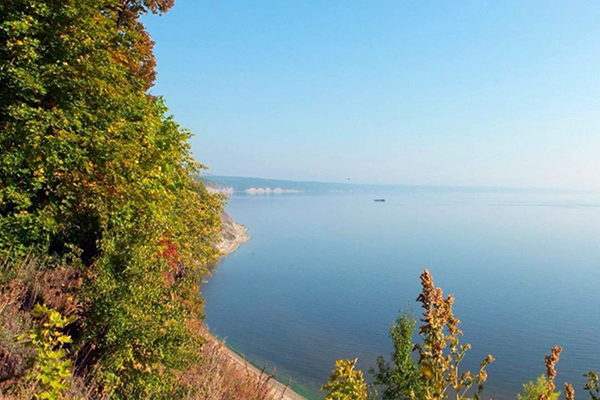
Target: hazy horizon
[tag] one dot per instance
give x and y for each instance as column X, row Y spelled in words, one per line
column 272, row 182
column 474, row 93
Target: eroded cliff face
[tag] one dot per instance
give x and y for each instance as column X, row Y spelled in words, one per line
column 232, row 234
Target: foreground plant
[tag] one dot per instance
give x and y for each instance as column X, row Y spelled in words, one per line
column 592, row 385
column 399, row 380
column 346, row 383
column 439, row 369
column 51, row 369
column 436, row 375
column 544, row 387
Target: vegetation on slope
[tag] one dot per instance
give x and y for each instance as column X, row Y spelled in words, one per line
column 100, row 221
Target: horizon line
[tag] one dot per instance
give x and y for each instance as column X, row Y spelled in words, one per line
column 513, row 188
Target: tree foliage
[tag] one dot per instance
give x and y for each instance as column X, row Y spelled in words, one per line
column 399, row 379
column 93, row 170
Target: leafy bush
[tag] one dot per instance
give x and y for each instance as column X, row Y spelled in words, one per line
column 51, row 369
column 532, row 390
column 346, row 383
column 399, row 380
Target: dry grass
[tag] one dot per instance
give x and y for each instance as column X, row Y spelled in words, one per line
column 24, row 284
column 220, row 376
column 15, row 298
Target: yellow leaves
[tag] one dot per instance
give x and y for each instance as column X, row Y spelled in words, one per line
column 51, row 368
column 120, row 57
column 427, row 371
column 346, row 383
column 39, row 173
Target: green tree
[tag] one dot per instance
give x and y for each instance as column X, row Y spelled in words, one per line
column 92, row 169
column 400, row 378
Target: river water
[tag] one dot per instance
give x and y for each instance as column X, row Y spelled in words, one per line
column 325, row 274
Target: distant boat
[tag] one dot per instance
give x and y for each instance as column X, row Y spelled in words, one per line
column 380, row 200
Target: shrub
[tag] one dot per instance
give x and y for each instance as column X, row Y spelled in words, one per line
column 532, row 390
column 592, row 385
column 51, row 370
column 345, row 383
column 399, row 380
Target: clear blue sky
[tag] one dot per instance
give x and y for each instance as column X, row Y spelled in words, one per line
column 450, row 92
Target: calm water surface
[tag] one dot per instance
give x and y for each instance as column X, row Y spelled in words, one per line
column 325, row 275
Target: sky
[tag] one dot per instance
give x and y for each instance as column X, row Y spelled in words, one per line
column 432, row 92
